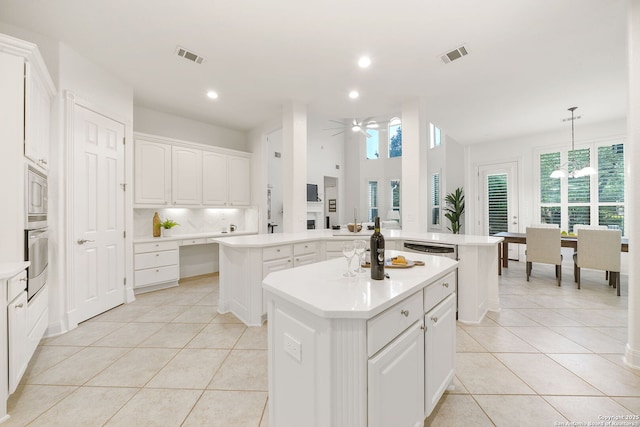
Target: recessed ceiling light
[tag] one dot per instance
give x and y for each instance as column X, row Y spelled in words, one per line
column 364, row 62
column 212, row 94
column 354, row 94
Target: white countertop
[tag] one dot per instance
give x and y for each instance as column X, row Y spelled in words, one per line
column 261, row 240
column 206, row 234
column 321, row 288
column 10, row 269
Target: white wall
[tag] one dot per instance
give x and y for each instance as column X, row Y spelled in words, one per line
column 155, row 122
column 325, row 158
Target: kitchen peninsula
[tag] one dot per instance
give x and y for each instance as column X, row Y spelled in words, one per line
column 352, row 351
column 246, row 260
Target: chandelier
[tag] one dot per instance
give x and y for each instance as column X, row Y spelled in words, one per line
column 571, row 168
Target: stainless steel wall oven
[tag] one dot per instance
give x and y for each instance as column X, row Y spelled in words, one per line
column 36, row 237
column 37, row 253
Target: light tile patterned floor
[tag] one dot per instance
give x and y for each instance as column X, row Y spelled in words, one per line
column 551, row 355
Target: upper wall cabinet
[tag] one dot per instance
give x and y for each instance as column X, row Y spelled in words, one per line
column 37, row 91
column 38, row 94
column 186, row 176
column 176, row 173
column 239, row 176
column 152, row 165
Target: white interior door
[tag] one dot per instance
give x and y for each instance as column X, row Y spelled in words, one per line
column 500, row 200
column 98, row 204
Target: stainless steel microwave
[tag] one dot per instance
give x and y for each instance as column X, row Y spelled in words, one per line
column 36, row 202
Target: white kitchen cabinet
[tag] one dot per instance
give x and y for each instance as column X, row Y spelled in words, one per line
column 440, row 350
column 18, row 359
column 239, row 180
column 39, row 91
column 305, row 253
column 156, row 265
column 186, row 176
column 214, row 179
column 152, row 173
column 276, row 258
column 396, row 381
column 178, row 173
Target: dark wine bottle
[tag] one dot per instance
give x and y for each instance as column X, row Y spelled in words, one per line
column 377, row 252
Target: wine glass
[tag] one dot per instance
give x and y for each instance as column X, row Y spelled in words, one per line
column 360, row 246
column 348, row 250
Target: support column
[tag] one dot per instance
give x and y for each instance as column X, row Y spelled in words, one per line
column 632, row 160
column 414, row 186
column 294, row 165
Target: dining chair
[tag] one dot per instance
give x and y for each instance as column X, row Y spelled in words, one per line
column 576, row 231
column 543, row 246
column 599, row 250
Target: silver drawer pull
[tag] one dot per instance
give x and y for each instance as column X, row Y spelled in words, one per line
column 445, row 284
column 157, row 271
column 157, row 254
column 434, row 319
column 405, row 313
column 423, row 327
column 23, row 279
column 288, row 260
column 20, row 305
column 277, row 250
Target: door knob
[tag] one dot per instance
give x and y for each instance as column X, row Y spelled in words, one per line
column 83, row 241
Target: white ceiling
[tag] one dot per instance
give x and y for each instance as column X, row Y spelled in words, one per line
column 529, row 60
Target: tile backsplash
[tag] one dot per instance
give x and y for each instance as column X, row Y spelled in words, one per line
column 202, row 220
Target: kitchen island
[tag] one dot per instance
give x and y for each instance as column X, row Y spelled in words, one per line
column 244, row 261
column 356, row 351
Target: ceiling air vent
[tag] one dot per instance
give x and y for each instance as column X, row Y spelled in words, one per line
column 191, row 56
column 454, row 54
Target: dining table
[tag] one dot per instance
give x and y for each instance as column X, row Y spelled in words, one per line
column 566, row 241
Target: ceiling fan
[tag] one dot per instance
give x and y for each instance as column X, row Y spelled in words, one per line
column 357, row 126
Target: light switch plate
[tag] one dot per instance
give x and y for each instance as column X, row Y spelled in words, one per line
column 292, row 346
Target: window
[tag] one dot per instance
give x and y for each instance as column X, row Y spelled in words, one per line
column 395, row 138
column 434, row 135
column 395, row 194
column 373, row 200
column 498, row 203
column 435, row 200
column 597, row 200
column 611, row 186
column 373, row 144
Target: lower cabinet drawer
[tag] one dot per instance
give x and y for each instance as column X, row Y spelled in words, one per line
column 156, row 275
column 304, row 248
column 156, row 259
column 155, row 246
column 188, row 242
column 16, row 284
column 276, row 252
column 387, row 325
column 439, row 290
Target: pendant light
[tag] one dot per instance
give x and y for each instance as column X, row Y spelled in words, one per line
column 571, row 168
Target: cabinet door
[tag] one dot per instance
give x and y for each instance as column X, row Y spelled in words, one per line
column 186, row 176
column 152, row 173
column 214, row 179
column 396, row 381
column 37, row 118
column 239, row 180
column 18, row 359
column 275, row 265
column 440, row 350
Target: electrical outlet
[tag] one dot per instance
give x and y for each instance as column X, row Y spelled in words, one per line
column 292, row 346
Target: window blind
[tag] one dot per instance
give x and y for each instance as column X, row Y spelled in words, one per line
column 373, row 200
column 498, row 203
column 611, row 174
column 435, row 199
column 579, row 188
column 549, row 187
column 395, row 194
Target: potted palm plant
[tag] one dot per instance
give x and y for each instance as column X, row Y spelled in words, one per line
column 454, row 209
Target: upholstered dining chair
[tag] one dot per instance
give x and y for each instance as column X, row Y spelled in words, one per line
column 576, row 231
column 543, row 246
column 599, row 250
